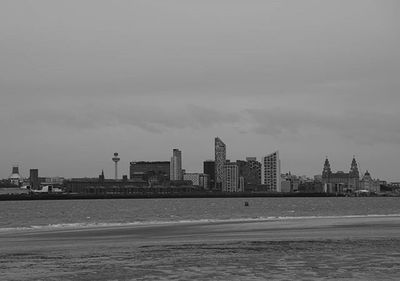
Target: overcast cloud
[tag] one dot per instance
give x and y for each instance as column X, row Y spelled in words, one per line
column 82, row 79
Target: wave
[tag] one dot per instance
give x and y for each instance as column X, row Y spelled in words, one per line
column 87, row 225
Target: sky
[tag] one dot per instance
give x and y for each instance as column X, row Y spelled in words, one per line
column 80, row 80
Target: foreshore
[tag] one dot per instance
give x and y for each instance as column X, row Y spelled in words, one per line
column 350, row 248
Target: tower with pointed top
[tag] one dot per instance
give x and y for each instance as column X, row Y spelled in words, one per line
column 354, row 168
column 354, row 175
column 326, row 172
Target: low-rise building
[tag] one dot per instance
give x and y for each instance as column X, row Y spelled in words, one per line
column 369, row 184
column 198, row 179
column 155, row 172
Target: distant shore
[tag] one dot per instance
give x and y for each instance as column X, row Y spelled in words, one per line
column 74, row 196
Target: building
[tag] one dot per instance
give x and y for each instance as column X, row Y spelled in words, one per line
column 290, row 183
column 367, row 183
column 272, row 172
column 285, row 185
column 311, row 187
column 34, row 179
column 341, row 182
column 318, row 178
column 176, row 165
column 220, row 159
column 209, row 169
column 250, row 170
column 101, row 185
column 15, row 178
column 155, row 171
column 197, row 179
column 232, row 182
column 51, row 180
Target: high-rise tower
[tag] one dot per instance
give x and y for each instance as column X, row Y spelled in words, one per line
column 209, row 169
column 272, row 172
column 176, row 165
column 220, row 160
column 116, row 160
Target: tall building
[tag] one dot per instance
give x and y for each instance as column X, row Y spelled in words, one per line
column 341, row 182
column 34, row 179
column 116, row 159
column 176, row 165
column 272, row 172
column 250, row 170
column 233, row 182
column 209, row 169
column 220, row 159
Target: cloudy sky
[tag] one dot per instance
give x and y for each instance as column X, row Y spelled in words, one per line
column 80, row 80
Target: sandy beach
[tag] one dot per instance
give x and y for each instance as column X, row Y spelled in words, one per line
column 353, row 248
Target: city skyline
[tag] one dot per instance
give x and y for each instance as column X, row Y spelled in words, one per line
column 218, row 145
column 308, row 78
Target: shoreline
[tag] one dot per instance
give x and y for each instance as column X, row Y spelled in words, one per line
column 72, row 196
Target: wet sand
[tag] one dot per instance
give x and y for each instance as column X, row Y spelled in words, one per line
column 351, row 248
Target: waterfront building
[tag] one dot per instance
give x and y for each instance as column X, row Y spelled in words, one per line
column 155, row 171
column 367, row 183
column 341, row 182
column 250, row 170
column 318, row 178
column 220, row 160
column 232, row 182
column 285, row 185
column 197, row 179
column 272, row 172
column 290, row 183
column 311, row 187
column 176, row 165
column 34, row 179
column 209, row 169
column 15, row 178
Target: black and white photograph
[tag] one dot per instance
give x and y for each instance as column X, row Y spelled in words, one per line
column 199, row 140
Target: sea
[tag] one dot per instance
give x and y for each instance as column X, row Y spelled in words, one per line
column 327, row 238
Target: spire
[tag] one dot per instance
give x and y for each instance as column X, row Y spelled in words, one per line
column 327, row 169
column 354, row 168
